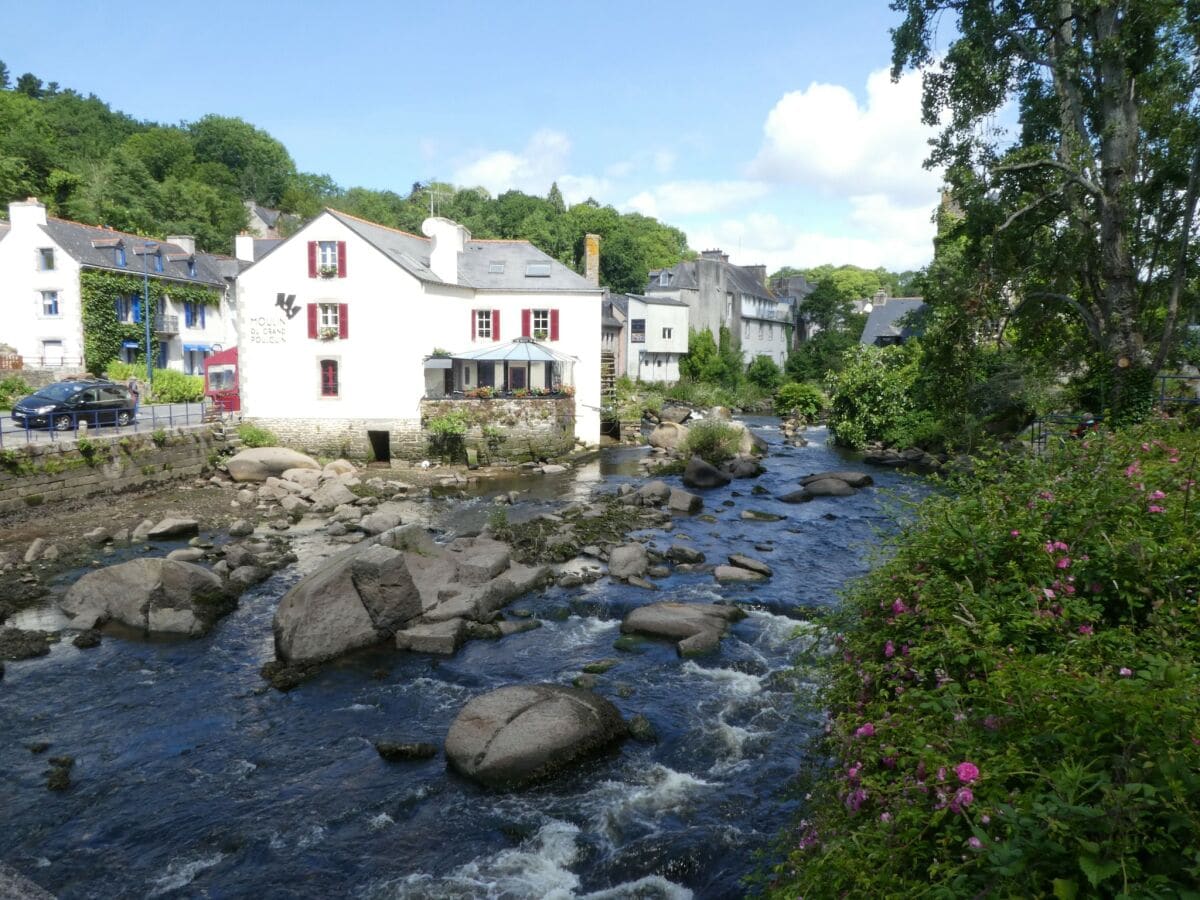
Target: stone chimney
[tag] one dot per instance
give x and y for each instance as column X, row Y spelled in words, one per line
column 716, row 254
column 243, row 247
column 759, row 273
column 27, row 213
column 447, row 239
column 184, row 242
column 880, row 298
column 591, row 254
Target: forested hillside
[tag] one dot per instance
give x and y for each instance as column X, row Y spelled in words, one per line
column 92, row 164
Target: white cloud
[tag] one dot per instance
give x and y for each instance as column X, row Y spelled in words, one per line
column 823, row 137
column 664, row 161
column 692, row 198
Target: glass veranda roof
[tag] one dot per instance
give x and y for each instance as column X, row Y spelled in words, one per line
column 519, row 350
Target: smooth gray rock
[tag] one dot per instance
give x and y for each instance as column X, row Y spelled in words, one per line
column 15, row 886
column 854, row 479
column 737, row 573
column 338, row 468
column 696, row 627
column 187, row 554
column 676, row 414
column 240, row 528
column 141, row 531
column 97, row 536
column 678, row 553
column 259, row 463
column 828, row 487
column 305, row 478
column 628, row 561
column 35, row 550
column 331, row 495
column 682, row 501
column 155, row 595
column 749, row 562
column 742, row 467
column 294, row 505
column 700, row 474
column 380, row 521
column 553, row 469
column 246, row 576
column 654, row 493
column 668, row 436
column 173, row 528
column 433, row 637
column 525, row 733
column 478, row 566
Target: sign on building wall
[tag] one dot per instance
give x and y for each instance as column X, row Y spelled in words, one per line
column 637, row 331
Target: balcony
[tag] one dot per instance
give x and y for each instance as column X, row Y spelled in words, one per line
column 166, row 324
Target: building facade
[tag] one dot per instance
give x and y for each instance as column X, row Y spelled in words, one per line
column 349, row 327
column 652, row 336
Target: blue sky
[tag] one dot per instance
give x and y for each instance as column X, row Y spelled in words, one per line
column 768, row 129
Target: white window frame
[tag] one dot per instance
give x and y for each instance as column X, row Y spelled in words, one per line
column 46, row 295
column 46, row 255
column 666, row 333
column 483, row 324
column 327, row 255
column 539, row 315
column 328, row 316
column 664, row 278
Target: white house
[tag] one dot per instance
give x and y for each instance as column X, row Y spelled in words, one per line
column 42, row 260
column 350, row 330
column 652, row 337
column 722, row 295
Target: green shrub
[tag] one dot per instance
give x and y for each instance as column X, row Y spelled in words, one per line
column 255, row 436
column 121, row 372
column 447, row 435
column 171, row 386
column 159, row 437
column 13, row 389
column 1016, row 690
column 871, row 394
column 803, row 400
column 713, row 440
column 764, row 373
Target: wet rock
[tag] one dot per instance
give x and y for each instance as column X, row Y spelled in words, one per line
column 758, row 515
column 187, row 554
column 434, row 637
column 641, row 730
column 35, row 550
column 244, row 577
column 587, row 681
column 658, row 571
column 51, row 553
column 294, row 506
column 653, row 493
column 696, row 627
column 38, row 747
column 155, row 595
column 259, row 463
column 380, row 521
column 728, row 574
column 480, row 565
column 141, row 531
column 120, row 537
column 668, row 436
column 679, row 553
column 17, row 643
column 628, row 561
column 682, row 501
column 742, row 467
column 285, row 676
column 508, row 628
column 525, row 733
column 357, row 599
column 640, row 582
column 676, row 414
column 854, row 479
column 600, row 666
column 749, row 444
column 86, row 640
column 750, row 563
column 97, row 537
column 702, row 475
column 172, row 528
column 553, row 469
column 336, row 529
column 331, row 495
column 570, row 580
column 758, row 490
column 15, row 886
column 721, row 412
column 405, row 750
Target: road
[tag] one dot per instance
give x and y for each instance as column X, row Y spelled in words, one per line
column 150, row 418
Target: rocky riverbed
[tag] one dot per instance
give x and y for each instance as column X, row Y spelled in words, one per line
column 190, row 774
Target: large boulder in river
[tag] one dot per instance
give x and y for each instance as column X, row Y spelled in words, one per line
column 156, row 595
column 697, row 627
column 357, row 599
column 742, row 467
column 854, row 479
column 676, row 414
column 700, row 474
column 628, row 561
column 749, row 443
column 822, row 487
column 668, row 436
column 260, row 463
column 525, row 733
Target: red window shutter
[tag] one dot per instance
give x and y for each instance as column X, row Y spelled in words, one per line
column 341, row 259
column 312, row 259
column 343, row 320
column 554, row 324
column 312, row 320
column 472, row 324
column 524, row 323
column 495, row 325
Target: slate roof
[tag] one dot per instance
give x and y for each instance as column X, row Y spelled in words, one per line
column 657, row 301
column 80, row 241
column 411, row 253
column 883, row 320
column 684, row 277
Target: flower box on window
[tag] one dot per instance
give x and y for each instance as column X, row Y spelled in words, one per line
column 327, row 271
column 540, row 335
column 327, row 332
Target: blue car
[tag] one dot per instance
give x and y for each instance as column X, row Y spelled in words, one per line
column 63, row 405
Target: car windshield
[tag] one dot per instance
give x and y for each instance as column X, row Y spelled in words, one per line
column 60, row 391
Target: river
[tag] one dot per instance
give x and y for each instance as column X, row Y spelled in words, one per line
column 194, row 780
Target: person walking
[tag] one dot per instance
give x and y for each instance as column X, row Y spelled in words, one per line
column 136, row 393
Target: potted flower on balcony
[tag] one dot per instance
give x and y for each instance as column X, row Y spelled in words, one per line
column 540, row 335
column 327, row 271
column 327, row 332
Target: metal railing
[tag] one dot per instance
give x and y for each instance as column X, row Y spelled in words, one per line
column 166, row 324
column 102, row 423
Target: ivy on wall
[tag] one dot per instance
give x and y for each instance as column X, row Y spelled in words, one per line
column 103, row 335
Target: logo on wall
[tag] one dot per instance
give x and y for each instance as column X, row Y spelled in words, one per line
column 288, row 304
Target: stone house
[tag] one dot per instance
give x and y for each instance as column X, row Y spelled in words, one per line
column 355, row 335
column 651, row 336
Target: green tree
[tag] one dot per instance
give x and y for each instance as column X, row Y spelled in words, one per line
column 1091, row 209
column 3, row 76
column 163, row 151
column 555, row 198
column 764, row 373
column 30, row 85
column 261, row 164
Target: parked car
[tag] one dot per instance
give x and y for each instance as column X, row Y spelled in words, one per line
column 64, row 404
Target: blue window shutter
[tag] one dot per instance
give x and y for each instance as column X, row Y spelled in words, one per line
column 137, row 309
column 201, row 315
column 187, row 314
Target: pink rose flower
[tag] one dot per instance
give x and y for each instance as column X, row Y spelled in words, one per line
column 1125, row 672
column 967, row 772
column 867, row 730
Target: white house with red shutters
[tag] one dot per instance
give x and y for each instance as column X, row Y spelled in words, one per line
column 348, row 327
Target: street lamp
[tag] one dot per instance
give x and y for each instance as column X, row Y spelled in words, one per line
column 146, row 248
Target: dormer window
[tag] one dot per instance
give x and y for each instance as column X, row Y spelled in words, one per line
column 537, row 270
column 496, row 267
column 119, row 255
column 158, row 262
column 191, row 267
column 664, row 278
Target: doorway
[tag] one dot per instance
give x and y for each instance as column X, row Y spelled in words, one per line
column 381, row 446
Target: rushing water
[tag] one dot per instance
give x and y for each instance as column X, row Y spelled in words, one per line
column 191, row 779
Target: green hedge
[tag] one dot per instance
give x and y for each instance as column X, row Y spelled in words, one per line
column 1016, row 691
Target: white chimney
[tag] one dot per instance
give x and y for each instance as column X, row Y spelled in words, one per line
column 184, row 242
column 26, row 213
column 243, row 247
column 447, row 240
